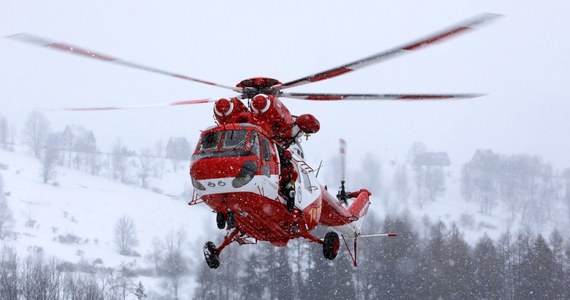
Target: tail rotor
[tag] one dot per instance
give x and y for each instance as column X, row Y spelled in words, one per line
column 341, row 195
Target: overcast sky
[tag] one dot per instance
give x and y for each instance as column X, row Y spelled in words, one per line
column 522, row 61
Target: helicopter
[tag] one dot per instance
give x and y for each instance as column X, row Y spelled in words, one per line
column 250, row 167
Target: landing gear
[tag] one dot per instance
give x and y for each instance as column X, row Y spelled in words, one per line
column 211, row 255
column 290, row 200
column 221, row 220
column 331, row 244
column 231, row 219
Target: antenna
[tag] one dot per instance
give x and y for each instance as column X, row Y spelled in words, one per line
column 319, row 168
column 341, row 196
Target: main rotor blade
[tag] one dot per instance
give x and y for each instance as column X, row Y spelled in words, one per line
column 43, row 42
column 185, row 102
column 386, row 97
column 379, row 57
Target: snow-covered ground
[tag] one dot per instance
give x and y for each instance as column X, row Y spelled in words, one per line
column 86, row 209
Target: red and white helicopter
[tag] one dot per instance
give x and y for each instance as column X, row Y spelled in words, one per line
column 250, row 167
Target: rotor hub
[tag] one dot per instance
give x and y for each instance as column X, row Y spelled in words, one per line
column 258, row 85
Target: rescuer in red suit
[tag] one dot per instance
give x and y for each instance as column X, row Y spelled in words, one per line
column 287, row 180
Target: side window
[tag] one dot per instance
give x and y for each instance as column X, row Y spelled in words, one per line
column 254, row 143
column 265, row 148
column 306, row 180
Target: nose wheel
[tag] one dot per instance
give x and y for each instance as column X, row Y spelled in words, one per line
column 211, row 255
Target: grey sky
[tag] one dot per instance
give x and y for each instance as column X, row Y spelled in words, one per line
column 521, row 60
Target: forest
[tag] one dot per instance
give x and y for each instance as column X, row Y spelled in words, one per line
column 439, row 265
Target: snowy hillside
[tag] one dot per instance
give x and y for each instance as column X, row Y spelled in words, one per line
column 73, row 218
column 450, row 205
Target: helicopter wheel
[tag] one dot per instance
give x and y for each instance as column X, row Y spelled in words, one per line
column 221, row 220
column 211, row 255
column 331, row 244
column 231, row 219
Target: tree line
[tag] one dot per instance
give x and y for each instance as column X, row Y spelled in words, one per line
column 435, row 262
column 432, row 262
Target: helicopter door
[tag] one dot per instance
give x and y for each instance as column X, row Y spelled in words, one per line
column 268, row 158
column 299, row 188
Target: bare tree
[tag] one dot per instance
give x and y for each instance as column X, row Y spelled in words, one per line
column 175, row 263
column 401, row 183
column 373, row 170
column 8, row 273
column 4, row 133
column 429, row 174
column 159, row 153
column 49, row 158
column 126, row 235
column 416, row 149
column 145, row 166
column 119, row 159
column 36, row 132
column 156, row 254
column 6, row 219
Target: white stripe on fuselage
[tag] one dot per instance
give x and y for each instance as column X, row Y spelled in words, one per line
column 261, row 185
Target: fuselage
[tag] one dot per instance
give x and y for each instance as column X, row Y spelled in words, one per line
column 235, row 168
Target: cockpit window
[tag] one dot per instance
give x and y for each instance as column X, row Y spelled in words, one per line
column 265, row 147
column 254, row 143
column 210, row 141
column 235, row 139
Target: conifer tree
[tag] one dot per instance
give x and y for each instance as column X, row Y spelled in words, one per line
column 488, row 275
column 252, row 279
column 460, row 266
column 139, row 291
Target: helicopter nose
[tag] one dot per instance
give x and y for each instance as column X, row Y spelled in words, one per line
column 215, row 168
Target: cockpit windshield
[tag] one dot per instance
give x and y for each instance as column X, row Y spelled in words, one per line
column 210, row 141
column 234, row 139
column 232, row 142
